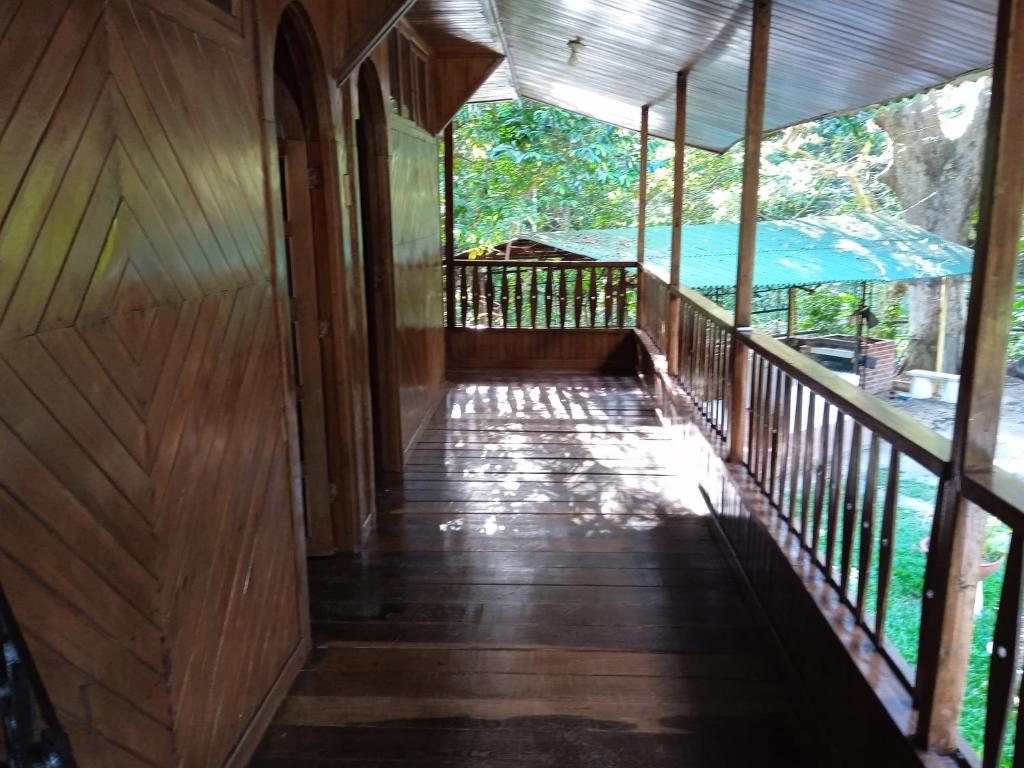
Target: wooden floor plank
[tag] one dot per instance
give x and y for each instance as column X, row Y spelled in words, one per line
column 543, row 588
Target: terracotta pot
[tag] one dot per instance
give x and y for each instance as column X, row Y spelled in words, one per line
column 985, row 570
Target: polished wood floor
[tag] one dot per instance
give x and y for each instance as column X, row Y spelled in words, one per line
column 545, row 590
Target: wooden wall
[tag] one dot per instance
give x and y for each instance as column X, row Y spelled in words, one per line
column 148, row 540
column 150, row 535
column 581, row 350
column 419, row 299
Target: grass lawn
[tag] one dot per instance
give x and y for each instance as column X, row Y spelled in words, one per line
column 902, row 624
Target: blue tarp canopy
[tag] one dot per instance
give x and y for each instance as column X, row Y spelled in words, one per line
column 808, row 251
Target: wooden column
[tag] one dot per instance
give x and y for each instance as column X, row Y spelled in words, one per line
column 940, row 341
column 678, row 175
column 954, row 572
column 449, row 221
column 757, row 79
column 791, row 312
column 641, row 218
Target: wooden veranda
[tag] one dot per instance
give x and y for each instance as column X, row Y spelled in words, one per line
column 272, row 491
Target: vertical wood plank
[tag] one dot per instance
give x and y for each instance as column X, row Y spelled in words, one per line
column 449, row 221
column 887, row 543
column 867, row 527
column 534, row 297
column 641, row 219
column 1003, row 665
column 678, row 177
column 850, row 509
column 993, row 286
column 756, row 83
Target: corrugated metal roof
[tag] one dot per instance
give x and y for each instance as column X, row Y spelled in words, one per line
column 825, row 56
column 815, row 249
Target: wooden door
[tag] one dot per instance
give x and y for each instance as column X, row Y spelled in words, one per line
column 308, row 333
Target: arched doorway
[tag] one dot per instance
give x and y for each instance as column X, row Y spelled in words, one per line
column 378, row 267
column 301, row 142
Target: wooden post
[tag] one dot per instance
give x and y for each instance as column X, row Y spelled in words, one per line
column 940, row 341
column 641, row 219
column 449, row 221
column 791, row 312
column 757, row 78
column 678, row 175
column 942, row 667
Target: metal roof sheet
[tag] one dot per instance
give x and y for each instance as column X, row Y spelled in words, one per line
column 807, row 251
column 825, row 56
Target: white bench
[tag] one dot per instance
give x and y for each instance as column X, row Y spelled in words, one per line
column 922, row 385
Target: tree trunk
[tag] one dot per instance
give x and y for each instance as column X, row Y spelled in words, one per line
column 936, row 177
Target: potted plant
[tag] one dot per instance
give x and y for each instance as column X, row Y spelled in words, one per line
column 994, row 545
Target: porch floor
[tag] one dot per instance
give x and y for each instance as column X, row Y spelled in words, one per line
column 542, row 591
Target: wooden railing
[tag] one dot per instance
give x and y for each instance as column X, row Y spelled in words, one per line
column 542, row 294
column 829, row 459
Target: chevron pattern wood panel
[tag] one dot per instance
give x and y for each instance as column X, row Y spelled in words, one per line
column 146, row 535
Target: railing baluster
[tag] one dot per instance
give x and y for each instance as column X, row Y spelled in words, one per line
column 476, row 295
column 1003, row 665
column 773, row 458
column 592, row 293
column 785, row 435
column 700, row 348
column 608, row 296
column 549, row 296
column 752, row 422
column 503, row 283
column 534, row 297
column 622, row 298
column 819, row 476
column 835, row 485
column 867, row 527
column 519, row 297
column 887, row 542
column 489, row 295
column 563, row 296
column 764, row 439
column 850, row 510
column 796, row 456
column 807, row 470
column 577, row 300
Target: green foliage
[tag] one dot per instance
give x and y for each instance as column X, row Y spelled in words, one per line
column 524, row 167
column 828, row 310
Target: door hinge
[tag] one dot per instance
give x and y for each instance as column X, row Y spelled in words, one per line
column 293, row 307
column 325, row 329
column 316, row 178
column 298, row 392
column 332, row 491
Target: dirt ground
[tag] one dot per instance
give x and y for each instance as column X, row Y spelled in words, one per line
column 939, row 416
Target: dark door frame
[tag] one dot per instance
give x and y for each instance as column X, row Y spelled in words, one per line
column 305, row 145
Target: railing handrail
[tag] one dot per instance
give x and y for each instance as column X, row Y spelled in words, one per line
column 920, row 443
column 545, row 263
column 998, row 492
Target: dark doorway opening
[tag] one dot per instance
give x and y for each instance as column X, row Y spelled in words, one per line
column 378, row 269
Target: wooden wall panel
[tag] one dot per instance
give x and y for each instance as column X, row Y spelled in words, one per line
column 147, row 536
column 575, row 351
column 150, row 539
column 419, row 299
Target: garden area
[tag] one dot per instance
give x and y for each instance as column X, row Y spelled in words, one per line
column 522, row 167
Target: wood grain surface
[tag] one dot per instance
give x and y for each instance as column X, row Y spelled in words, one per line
column 529, row 607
